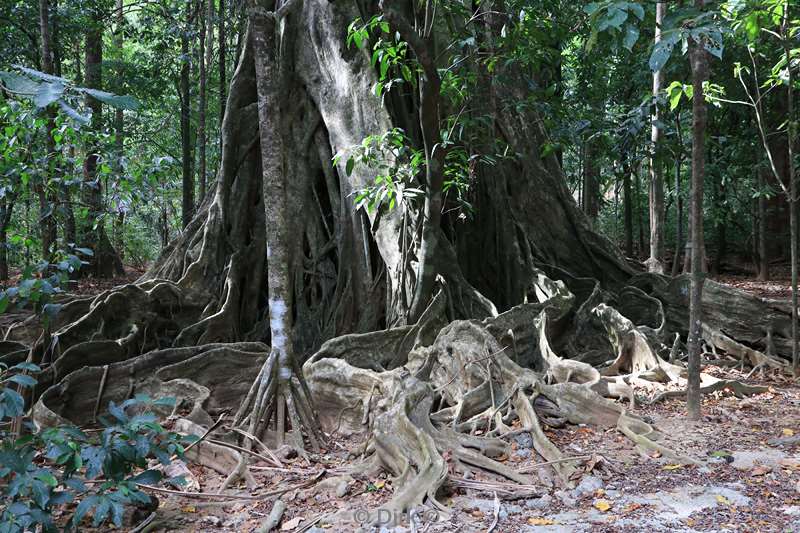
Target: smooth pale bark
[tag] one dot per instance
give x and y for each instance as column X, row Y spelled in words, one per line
column 429, row 88
column 656, row 196
column 699, row 66
column 187, row 202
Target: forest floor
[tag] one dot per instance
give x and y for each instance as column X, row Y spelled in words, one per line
column 747, row 479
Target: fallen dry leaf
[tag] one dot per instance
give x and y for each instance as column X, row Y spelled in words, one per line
column 631, row 508
column 761, row 470
column 538, row 521
column 787, row 432
column 672, row 467
column 379, row 484
column 189, row 509
column 292, row 524
column 602, row 505
column 722, row 499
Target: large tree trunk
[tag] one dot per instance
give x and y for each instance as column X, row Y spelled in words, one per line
column 542, row 294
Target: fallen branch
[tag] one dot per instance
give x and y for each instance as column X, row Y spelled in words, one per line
column 243, row 497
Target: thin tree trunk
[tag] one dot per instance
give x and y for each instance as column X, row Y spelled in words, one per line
column 206, row 45
column 763, row 249
column 46, row 210
column 678, row 217
column 791, row 136
column 638, row 206
column 222, row 38
column 656, row 196
column 6, row 210
column 91, row 186
column 105, row 262
column 591, row 185
column 628, row 210
column 699, row 68
column 119, row 134
column 187, row 205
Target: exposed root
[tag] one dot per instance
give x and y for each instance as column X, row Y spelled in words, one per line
column 280, row 392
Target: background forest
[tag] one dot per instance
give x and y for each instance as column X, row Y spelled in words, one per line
column 590, row 80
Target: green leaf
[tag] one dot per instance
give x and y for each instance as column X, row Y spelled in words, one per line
column 637, row 9
column 72, row 113
column 591, row 8
column 118, row 102
column 631, row 36
column 674, row 99
column 348, row 169
column 148, row 477
column 19, row 85
column 22, row 379
column 661, row 52
column 39, row 75
column 48, row 93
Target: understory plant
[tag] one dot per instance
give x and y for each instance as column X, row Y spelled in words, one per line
column 53, row 478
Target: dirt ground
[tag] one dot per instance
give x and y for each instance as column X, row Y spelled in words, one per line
column 747, row 476
column 747, row 479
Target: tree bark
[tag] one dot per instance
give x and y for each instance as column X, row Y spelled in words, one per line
column 699, row 67
column 791, row 139
column 47, row 218
column 429, row 88
column 591, row 182
column 676, row 261
column 119, row 135
column 206, row 47
column 655, row 263
column 223, row 63
column 104, row 262
column 627, row 208
column 763, row 249
column 187, row 204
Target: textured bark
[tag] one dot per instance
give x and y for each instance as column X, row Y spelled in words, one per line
column 105, row 261
column 763, row 253
column 676, row 260
column 567, row 299
column 627, row 208
column 223, row 60
column 47, row 218
column 184, row 93
column 699, row 74
column 206, row 48
column 591, row 182
column 655, row 263
column 791, row 137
